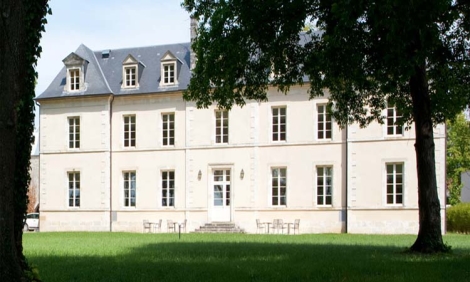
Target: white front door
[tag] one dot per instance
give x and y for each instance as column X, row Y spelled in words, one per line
column 221, row 195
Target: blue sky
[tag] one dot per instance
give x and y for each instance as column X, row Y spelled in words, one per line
column 107, row 24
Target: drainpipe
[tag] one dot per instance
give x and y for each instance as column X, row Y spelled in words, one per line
column 110, row 107
column 445, row 178
column 39, row 161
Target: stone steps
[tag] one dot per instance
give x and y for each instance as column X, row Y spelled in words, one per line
column 219, row 227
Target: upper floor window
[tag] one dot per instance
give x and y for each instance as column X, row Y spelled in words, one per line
column 394, row 118
column 394, row 183
column 324, row 123
column 221, row 127
column 279, row 123
column 129, row 188
column 169, row 73
column 74, row 132
column 278, row 186
column 76, row 67
column 168, row 129
column 169, row 69
column 129, row 131
column 74, row 189
column 74, row 79
column 168, row 188
column 324, row 185
column 130, row 76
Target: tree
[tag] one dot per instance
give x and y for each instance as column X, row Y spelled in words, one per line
column 414, row 55
column 21, row 23
column 458, row 155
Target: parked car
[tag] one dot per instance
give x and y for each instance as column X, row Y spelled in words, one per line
column 32, row 222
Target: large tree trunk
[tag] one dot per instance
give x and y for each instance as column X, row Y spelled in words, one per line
column 429, row 237
column 12, row 42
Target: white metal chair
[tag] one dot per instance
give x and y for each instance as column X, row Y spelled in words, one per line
column 260, row 226
column 146, row 226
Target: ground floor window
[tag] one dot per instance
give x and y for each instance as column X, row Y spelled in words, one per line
column 74, row 188
column 278, row 185
column 394, row 183
column 129, row 188
column 324, row 185
column 168, row 188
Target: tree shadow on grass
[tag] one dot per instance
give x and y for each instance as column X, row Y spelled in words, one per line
column 248, row 261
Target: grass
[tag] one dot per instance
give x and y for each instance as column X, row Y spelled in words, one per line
column 241, row 257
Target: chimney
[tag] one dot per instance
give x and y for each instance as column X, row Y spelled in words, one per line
column 192, row 56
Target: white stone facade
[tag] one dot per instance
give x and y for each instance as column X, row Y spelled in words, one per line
column 358, row 158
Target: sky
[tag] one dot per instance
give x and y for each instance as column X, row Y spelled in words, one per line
column 107, row 24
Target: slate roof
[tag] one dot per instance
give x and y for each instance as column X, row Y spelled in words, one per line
column 103, row 76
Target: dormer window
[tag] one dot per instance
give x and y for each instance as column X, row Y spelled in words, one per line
column 169, row 69
column 169, row 73
column 75, row 76
column 131, row 70
column 129, row 80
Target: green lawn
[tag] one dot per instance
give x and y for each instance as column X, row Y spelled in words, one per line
column 240, row 257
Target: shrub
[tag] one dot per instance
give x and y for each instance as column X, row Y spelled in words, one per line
column 458, row 218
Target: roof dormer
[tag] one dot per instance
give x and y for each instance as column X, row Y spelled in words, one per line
column 170, row 66
column 131, row 72
column 76, row 68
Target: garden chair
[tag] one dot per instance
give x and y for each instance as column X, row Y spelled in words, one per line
column 183, row 226
column 279, row 226
column 259, row 226
column 296, row 225
column 170, row 226
column 157, row 226
column 146, row 225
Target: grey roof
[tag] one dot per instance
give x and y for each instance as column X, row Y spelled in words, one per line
column 104, row 75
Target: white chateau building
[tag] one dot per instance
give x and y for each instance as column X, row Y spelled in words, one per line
column 119, row 145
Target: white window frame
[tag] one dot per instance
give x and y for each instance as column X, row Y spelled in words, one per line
column 166, row 73
column 390, row 122
column 72, row 186
column 324, row 118
column 278, row 187
column 276, row 124
column 168, row 127
column 129, row 132
column 73, row 132
column 170, row 201
column 129, row 174
column 324, row 185
column 394, row 184
column 130, row 80
column 74, row 79
column 221, row 129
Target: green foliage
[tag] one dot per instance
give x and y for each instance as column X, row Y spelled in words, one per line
column 458, row 155
column 35, row 17
column 458, row 218
column 363, row 52
column 240, row 257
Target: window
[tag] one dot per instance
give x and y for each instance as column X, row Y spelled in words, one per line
column 394, row 184
column 221, row 127
column 324, row 185
column 168, row 132
column 129, row 189
column 74, row 76
column 74, row 189
column 129, row 131
column 394, row 117
column 324, row 123
column 130, row 76
column 279, row 124
column 279, row 181
column 74, row 132
column 168, row 188
column 169, row 73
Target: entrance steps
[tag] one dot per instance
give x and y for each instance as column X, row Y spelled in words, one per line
column 219, row 227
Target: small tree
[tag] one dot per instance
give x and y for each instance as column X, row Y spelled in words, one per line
column 458, row 155
column 414, row 54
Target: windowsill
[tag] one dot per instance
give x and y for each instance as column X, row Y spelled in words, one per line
column 325, row 206
column 278, row 141
column 129, row 148
column 395, row 206
column 395, row 136
column 324, row 140
column 221, row 144
column 168, row 146
column 168, row 84
column 73, row 149
column 129, row 87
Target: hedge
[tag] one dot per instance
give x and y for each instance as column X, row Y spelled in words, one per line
column 458, row 218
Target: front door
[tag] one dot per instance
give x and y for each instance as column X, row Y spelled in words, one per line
column 222, row 195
